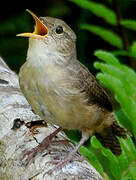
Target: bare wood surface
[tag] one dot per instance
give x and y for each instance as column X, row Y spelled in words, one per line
column 14, row 142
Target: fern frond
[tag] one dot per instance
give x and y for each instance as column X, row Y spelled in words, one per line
column 129, row 23
column 107, row 35
column 98, row 9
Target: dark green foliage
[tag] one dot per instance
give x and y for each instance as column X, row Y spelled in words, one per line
column 105, row 34
column 121, row 81
column 12, row 47
column 98, row 9
column 129, row 23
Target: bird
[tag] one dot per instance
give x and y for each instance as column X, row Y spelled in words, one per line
column 62, row 91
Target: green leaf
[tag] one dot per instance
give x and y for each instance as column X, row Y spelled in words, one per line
column 109, row 69
column 107, row 57
column 133, row 49
column 129, row 23
column 129, row 107
column 123, row 161
column 123, row 119
column 130, row 74
column 107, row 35
column 117, row 72
column 122, row 81
column 124, row 73
column 113, row 161
column 121, row 53
column 127, row 103
column 131, row 147
column 92, row 158
column 124, row 53
column 132, row 171
column 74, row 135
column 127, row 149
column 98, row 9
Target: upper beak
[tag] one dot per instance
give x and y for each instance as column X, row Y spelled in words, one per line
column 40, row 30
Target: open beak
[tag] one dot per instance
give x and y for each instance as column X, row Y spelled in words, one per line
column 40, row 30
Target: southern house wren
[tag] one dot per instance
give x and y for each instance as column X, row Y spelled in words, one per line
column 61, row 90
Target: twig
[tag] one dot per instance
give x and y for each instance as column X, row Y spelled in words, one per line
column 122, row 32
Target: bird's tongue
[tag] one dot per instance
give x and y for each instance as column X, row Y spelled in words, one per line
column 40, row 30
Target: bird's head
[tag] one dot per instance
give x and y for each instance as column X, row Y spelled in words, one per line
column 51, row 35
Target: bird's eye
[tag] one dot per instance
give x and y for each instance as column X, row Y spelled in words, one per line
column 59, row 30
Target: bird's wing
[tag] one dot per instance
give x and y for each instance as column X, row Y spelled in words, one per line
column 90, row 86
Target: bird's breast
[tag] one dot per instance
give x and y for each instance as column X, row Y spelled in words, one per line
column 51, row 92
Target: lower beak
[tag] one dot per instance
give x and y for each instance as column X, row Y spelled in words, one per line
column 40, row 30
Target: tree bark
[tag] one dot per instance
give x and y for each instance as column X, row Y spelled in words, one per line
column 16, row 139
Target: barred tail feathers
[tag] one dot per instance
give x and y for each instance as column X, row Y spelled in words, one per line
column 109, row 137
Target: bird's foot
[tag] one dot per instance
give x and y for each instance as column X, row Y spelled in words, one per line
column 30, row 155
column 58, row 164
column 64, row 142
column 61, row 163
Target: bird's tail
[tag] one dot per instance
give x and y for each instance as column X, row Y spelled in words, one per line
column 109, row 137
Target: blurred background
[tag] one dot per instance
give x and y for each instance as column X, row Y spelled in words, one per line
column 108, row 25
column 16, row 20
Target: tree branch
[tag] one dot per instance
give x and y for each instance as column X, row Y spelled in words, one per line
column 123, row 33
column 121, row 28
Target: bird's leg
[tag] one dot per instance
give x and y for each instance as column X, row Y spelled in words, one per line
column 60, row 163
column 65, row 142
column 41, row 147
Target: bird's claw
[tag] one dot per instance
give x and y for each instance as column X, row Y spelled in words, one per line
column 30, row 155
column 58, row 164
column 61, row 163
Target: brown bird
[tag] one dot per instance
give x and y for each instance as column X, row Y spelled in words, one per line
column 62, row 91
